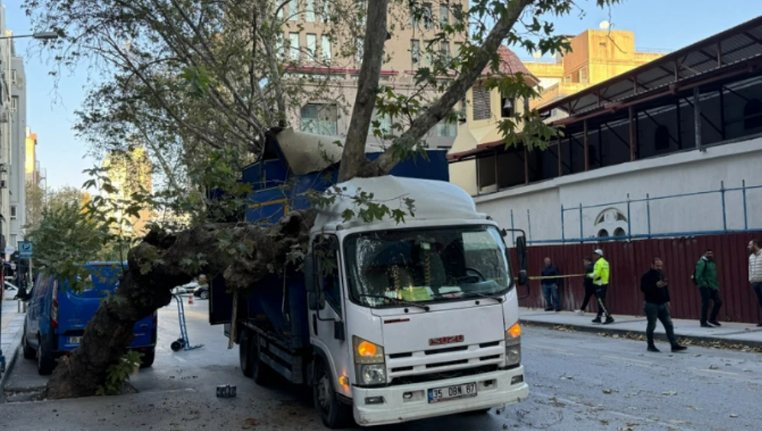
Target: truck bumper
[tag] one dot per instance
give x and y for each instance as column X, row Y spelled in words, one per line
column 410, row 402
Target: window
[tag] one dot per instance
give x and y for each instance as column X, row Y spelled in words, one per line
column 444, row 15
column 320, row 119
column 379, row 124
column 661, row 138
column 444, row 51
column 309, row 11
column 15, row 104
column 457, row 13
column 327, row 262
column 462, row 110
column 507, row 107
column 359, row 46
column 14, row 76
column 293, row 10
column 428, row 59
column 279, row 47
column 458, row 47
column 325, row 48
column 362, row 12
column 293, row 39
column 583, row 78
column 603, row 233
column 481, row 104
column 428, row 16
column 567, row 79
column 312, row 46
column 413, row 19
column 447, row 129
column 415, row 53
column 752, row 114
column 13, row 211
column 619, row 232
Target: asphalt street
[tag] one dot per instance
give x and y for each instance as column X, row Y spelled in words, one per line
column 578, row 381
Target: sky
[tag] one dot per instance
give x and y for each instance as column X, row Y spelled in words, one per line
column 657, row 24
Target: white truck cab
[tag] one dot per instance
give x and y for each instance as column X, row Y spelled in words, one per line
column 411, row 320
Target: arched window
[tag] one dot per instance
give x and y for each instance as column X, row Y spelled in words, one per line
column 752, row 114
column 603, row 233
column 619, row 232
column 661, row 138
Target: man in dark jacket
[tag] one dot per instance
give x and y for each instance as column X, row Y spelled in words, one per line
column 656, row 306
column 550, row 286
column 588, row 283
column 706, row 278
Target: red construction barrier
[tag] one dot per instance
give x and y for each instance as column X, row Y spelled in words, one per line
column 629, row 260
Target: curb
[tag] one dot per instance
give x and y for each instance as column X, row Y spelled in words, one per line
column 10, row 361
column 607, row 329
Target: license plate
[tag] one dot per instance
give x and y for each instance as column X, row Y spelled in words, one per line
column 75, row 340
column 455, row 392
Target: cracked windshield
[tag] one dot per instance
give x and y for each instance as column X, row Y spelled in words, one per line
column 426, row 265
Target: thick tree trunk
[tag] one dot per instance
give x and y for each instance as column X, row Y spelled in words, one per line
column 155, row 267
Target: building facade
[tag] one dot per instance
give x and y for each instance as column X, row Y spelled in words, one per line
column 316, row 53
column 12, row 142
column 595, row 56
column 130, row 173
column 670, row 148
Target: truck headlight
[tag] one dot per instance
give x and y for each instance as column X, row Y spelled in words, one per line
column 370, row 362
column 513, row 345
column 372, row 374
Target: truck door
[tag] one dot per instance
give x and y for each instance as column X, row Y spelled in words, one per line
column 327, row 324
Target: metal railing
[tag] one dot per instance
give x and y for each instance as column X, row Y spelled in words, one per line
column 648, row 231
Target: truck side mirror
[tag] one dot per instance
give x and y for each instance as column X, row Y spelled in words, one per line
column 521, row 253
column 338, row 330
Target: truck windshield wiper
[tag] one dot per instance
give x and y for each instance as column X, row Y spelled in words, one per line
column 499, row 299
column 397, row 301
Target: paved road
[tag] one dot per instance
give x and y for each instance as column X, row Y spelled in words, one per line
column 579, row 382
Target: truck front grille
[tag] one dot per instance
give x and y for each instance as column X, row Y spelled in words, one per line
column 441, row 363
column 430, row 377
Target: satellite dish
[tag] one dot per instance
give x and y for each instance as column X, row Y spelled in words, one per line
column 537, row 54
column 604, row 25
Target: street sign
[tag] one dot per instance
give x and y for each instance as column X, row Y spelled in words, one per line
column 25, row 249
column 8, row 252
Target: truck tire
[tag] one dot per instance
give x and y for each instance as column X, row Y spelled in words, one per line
column 333, row 413
column 262, row 374
column 45, row 362
column 148, row 357
column 244, row 353
column 29, row 352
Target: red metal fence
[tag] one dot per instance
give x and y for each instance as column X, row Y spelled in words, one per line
column 629, row 260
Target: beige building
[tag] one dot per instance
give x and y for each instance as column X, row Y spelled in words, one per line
column 130, row 173
column 31, row 165
column 478, row 128
column 318, row 51
column 595, row 56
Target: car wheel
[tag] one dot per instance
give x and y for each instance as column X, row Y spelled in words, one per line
column 45, row 362
column 29, row 352
column 204, row 294
column 333, row 413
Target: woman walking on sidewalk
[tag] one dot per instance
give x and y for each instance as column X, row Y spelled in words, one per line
column 656, row 306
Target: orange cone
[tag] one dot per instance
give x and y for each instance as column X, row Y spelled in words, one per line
column 190, row 299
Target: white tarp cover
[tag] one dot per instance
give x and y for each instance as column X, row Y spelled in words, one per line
column 306, row 153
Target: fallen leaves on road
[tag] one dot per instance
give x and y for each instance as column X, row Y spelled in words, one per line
column 733, row 415
column 607, row 391
column 697, row 355
column 677, row 422
column 249, row 423
column 564, row 328
column 670, row 393
column 714, row 367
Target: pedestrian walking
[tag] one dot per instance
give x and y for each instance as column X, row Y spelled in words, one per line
column 654, row 286
column 588, row 283
column 755, row 270
column 601, row 274
column 549, row 284
column 705, row 276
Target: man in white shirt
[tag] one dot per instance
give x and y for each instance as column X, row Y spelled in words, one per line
column 755, row 270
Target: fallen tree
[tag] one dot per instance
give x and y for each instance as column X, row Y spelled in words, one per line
column 192, row 80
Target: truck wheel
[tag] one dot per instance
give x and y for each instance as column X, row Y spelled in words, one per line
column 334, row 414
column 262, row 373
column 244, row 353
column 45, row 362
column 29, row 352
column 148, row 358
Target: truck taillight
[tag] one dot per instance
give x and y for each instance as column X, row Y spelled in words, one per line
column 155, row 318
column 54, row 307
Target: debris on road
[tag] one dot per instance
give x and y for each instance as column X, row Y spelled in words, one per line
column 670, row 393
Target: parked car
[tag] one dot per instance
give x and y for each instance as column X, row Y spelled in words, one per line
column 185, row 288
column 201, row 292
column 57, row 316
column 11, row 291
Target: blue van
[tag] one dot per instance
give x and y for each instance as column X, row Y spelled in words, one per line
column 56, row 317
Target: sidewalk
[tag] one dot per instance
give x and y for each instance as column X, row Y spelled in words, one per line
column 733, row 333
column 10, row 335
